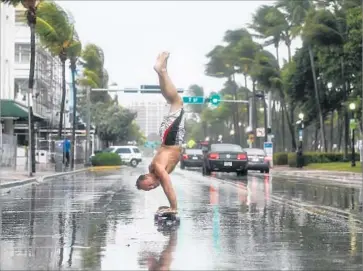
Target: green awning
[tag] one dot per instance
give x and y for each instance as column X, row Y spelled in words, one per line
column 15, row 110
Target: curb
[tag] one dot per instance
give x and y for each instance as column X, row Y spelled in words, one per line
column 104, row 168
column 40, row 179
column 18, row 183
column 44, row 178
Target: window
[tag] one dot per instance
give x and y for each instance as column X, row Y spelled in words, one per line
column 22, row 53
column 20, row 17
column 136, row 150
column 123, row 150
column 226, row 147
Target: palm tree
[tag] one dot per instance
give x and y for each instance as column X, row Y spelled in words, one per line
column 58, row 35
column 271, row 26
column 73, row 53
column 297, row 12
column 32, row 20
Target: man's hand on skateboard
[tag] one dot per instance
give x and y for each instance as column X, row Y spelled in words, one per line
column 166, row 210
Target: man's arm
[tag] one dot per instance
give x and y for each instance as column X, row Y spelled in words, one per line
column 167, row 186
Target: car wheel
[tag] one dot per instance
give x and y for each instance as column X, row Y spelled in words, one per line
column 262, row 171
column 239, row 173
column 267, row 170
column 134, row 163
column 182, row 166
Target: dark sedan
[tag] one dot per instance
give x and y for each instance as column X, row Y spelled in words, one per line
column 191, row 158
column 225, row 158
column 258, row 160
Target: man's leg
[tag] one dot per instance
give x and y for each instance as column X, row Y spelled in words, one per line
column 167, row 87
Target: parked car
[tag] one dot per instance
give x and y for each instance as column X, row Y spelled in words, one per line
column 225, row 158
column 129, row 154
column 191, row 158
column 258, row 160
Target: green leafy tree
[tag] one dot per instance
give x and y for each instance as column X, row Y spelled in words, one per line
column 59, row 36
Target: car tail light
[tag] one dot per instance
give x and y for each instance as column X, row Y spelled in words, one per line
column 214, row 156
column 242, row 156
column 185, row 156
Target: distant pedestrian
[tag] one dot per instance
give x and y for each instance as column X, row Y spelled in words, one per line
column 66, row 151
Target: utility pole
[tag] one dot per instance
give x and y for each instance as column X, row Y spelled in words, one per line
column 88, row 125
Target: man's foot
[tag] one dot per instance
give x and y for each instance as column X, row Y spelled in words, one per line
column 161, row 62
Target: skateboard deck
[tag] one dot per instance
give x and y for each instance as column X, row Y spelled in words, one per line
column 166, row 219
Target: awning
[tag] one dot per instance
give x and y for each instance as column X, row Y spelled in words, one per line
column 14, row 110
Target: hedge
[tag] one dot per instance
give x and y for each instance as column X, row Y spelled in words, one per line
column 284, row 158
column 106, row 159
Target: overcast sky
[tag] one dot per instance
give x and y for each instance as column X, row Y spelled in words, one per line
column 131, row 33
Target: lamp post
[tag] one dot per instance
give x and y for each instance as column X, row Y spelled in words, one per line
column 352, row 125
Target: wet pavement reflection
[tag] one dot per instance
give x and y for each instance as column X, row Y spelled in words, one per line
column 102, row 222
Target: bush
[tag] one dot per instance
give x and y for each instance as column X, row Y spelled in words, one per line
column 311, row 158
column 106, row 159
column 280, row 158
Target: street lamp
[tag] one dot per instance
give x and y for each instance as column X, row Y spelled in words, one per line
column 352, row 125
column 231, row 132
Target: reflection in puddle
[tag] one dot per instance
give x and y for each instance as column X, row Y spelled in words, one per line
column 164, row 260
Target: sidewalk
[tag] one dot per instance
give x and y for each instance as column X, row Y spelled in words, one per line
column 343, row 177
column 302, row 171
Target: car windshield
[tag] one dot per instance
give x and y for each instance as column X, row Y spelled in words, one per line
column 108, row 150
column 136, row 150
column 226, row 147
column 255, row 152
column 193, row 151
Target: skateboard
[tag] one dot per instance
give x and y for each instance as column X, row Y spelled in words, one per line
column 166, row 219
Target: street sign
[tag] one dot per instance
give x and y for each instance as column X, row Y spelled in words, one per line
column 193, row 99
column 300, row 135
column 215, row 99
column 260, row 132
column 268, row 147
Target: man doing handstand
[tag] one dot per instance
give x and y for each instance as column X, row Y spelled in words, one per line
column 172, row 132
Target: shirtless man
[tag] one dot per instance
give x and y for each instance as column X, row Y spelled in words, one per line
column 172, row 131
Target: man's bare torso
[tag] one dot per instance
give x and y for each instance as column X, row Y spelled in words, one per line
column 168, row 157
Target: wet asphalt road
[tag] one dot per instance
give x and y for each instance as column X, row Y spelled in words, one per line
column 101, row 222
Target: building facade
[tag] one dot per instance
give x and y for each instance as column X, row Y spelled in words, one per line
column 150, row 106
column 14, row 73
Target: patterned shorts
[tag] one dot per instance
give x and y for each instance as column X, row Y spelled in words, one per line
column 172, row 129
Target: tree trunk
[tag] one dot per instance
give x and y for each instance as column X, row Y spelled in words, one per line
column 340, row 129
column 237, row 132
column 331, row 131
column 316, row 136
column 318, row 104
column 345, row 110
column 283, row 132
column 265, row 115
column 31, row 18
column 63, row 60
column 288, row 45
column 74, row 113
column 254, row 112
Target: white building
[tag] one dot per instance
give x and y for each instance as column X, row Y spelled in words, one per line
column 14, row 71
column 149, row 105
